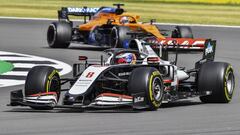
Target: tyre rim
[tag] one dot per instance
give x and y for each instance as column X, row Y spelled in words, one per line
column 157, row 91
column 114, row 38
column 51, row 34
column 230, row 82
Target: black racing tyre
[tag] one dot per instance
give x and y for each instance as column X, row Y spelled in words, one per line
column 182, row 32
column 42, row 79
column 148, row 80
column 119, row 37
column 217, row 77
column 59, row 34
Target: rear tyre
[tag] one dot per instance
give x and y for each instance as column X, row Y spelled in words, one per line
column 42, row 79
column 59, row 34
column 148, row 80
column 119, row 37
column 182, row 32
column 217, row 77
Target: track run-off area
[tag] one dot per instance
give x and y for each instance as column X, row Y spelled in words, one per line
column 189, row 116
column 15, row 66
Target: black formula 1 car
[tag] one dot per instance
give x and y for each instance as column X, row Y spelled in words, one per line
column 138, row 77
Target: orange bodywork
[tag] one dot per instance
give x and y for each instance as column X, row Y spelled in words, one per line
column 102, row 18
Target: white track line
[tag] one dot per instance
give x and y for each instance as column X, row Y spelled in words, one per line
column 7, row 58
column 26, row 18
column 19, row 62
column 16, row 73
column 66, row 68
column 10, row 82
column 25, row 65
column 198, row 25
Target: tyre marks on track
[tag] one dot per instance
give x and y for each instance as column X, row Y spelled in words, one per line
column 23, row 63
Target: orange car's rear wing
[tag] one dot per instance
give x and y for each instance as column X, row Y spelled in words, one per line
column 75, row 11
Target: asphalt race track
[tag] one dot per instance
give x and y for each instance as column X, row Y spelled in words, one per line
column 185, row 117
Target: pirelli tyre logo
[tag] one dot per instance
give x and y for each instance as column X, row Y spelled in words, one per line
column 23, row 63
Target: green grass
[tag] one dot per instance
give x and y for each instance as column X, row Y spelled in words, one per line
column 225, row 2
column 226, row 12
column 5, row 67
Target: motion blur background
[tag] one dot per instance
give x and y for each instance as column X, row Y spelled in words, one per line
column 224, row 12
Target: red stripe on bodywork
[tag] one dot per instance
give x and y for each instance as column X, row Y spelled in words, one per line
column 115, row 95
column 43, row 94
column 167, row 81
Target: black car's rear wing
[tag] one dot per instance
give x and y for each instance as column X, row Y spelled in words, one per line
column 75, row 11
column 205, row 46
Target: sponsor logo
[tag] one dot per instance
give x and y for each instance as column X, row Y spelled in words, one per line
column 82, row 10
column 89, row 74
column 209, row 49
column 138, row 99
column 124, row 74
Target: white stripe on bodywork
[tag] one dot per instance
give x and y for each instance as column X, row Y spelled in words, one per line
column 181, row 75
column 151, row 52
column 185, row 43
column 112, row 99
column 198, row 43
column 103, row 103
column 47, row 99
column 84, row 82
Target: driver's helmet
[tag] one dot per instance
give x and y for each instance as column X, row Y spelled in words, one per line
column 126, row 58
column 124, row 20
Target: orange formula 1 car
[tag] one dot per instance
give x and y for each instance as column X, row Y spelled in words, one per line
column 112, row 27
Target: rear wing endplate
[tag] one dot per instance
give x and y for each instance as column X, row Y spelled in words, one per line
column 209, row 49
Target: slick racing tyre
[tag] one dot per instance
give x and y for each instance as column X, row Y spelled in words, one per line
column 182, row 32
column 59, row 34
column 42, row 79
column 218, row 78
column 119, row 37
column 149, row 81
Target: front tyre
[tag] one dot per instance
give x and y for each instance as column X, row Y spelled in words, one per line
column 217, row 77
column 149, row 81
column 42, row 80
